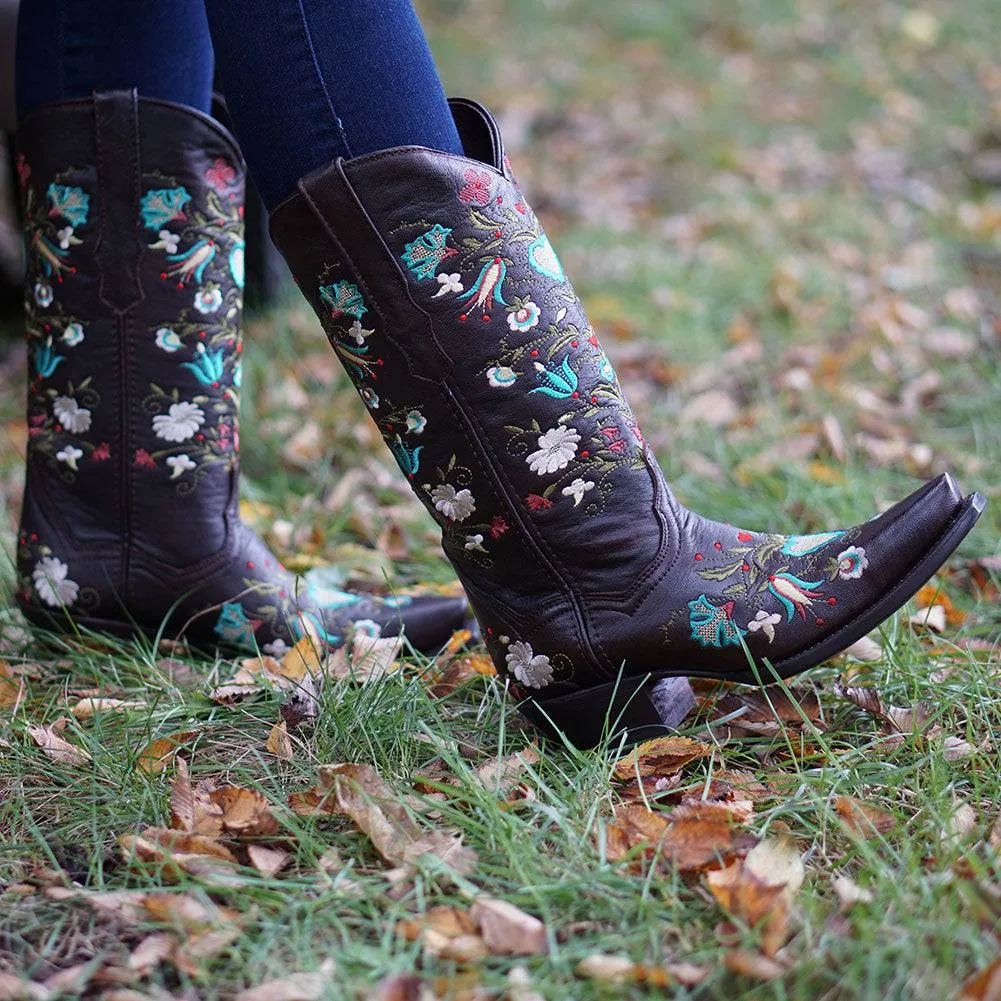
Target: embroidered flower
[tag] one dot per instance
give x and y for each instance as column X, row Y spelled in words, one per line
column 358, row 333
column 180, row 464
column 416, row 422
column 498, row 527
column 65, row 237
column 556, row 448
column 101, row 453
column 166, row 241
column 46, row 360
column 453, row 504
column 208, row 299
column 367, row 627
column 530, row 669
column 536, row 502
column 449, row 283
column 144, row 460
column 237, row 265
column 370, row 396
column 163, row 205
column 577, row 489
column 73, row 334
column 765, row 622
column 71, row 415
column 70, row 202
column 234, row 626
column 474, row 542
column 500, row 376
column 180, row 421
column 69, row 455
column 852, row 562
column 276, row 648
column 220, row 175
column 43, row 294
column 476, row 190
column 524, row 317
column 52, row 584
column 168, row 340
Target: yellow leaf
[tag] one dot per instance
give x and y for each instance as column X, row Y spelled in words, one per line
column 278, row 742
column 159, row 753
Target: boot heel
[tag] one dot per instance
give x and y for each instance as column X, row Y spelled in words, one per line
column 621, row 709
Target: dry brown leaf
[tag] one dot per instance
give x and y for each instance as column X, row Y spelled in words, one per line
column 374, row 807
column 187, row 913
column 125, row 904
column 734, row 811
column 14, row 988
column 752, row 965
column 849, row 893
column 174, row 853
column 86, row 708
column 933, row 617
column 865, row 649
column 662, row 756
column 862, row 818
column 227, row 694
column 151, row 952
column 760, row 888
column 156, row 755
column 11, row 688
column 268, row 861
column 314, row 802
column 54, row 747
column 279, row 743
column 182, row 801
column 994, row 838
column 368, row 659
column 502, row 773
column 520, row 986
column 983, row 986
column 448, row 921
column 508, row 930
column 767, row 713
column 294, row 987
column 461, row 670
column 245, row 812
column 621, row 970
column 932, row 595
column 462, row 949
column 400, row 987
column 190, row 955
column 304, row 658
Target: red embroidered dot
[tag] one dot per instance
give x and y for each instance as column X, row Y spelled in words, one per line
column 717, row 545
column 584, row 454
column 497, row 232
column 746, row 567
column 379, row 362
column 499, row 199
column 180, row 284
column 215, row 385
column 832, row 601
column 48, row 326
column 534, row 353
column 771, row 578
column 497, row 260
column 594, row 399
column 463, row 317
column 699, row 556
column 573, row 344
column 820, row 622
column 490, row 630
column 743, row 536
column 575, row 395
column 199, row 437
column 250, row 565
column 34, row 537
column 163, row 274
column 485, row 318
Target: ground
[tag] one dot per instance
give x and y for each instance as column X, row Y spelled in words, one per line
column 785, row 219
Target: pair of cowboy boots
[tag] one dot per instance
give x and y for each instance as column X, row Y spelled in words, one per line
column 451, row 312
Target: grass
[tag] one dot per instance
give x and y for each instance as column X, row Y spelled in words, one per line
column 770, row 201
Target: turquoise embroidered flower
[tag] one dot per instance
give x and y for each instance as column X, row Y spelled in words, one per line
column 208, row 300
column 73, row 334
column 424, row 255
column 408, row 458
column 72, row 203
column 46, row 360
column 852, row 562
column 803, row 545
column 713, row 625
column 234, row 626
column 795, row 593
column 416, row 422
column 163, row 205
column 370, row 396
column 542, row 257
column 208, row 366
column 168, row 340
column 559, row 385
column 501, row 376
column 238, row 373
column 43, row 294
column 343, row 297
column 236, row 263
column 524, row 316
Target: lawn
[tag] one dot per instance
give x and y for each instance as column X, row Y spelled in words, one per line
column 785, row 220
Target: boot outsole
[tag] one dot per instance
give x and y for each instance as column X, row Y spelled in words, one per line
column 624, row 712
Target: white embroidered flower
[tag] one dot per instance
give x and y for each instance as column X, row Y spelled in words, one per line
column 448, row 283
column 276, row 648
column 366, row 627
column 370, row 396
column 852, row 562
column 71, row 415
column 208, row 300
column 532, row 670
column 500, row 376
column 474, row 542
column 358, row 333
column 64, row 235
column 180, row 422
column 168, row 241
column 577, row 489
column 73, row 334
column 51, row 583
column 766, row 623
column 416, row 422
column 180, row 464
column 69, row 455
column 43, row 294
column 556, row 448
column 457, row 505
column 168, row 340
column 524, row 317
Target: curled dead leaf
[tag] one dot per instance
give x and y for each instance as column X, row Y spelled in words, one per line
column 174, row 853
column 55, row 747
column 294, row 987
column 507, row 930
column 159, row 753
column 86, row 708
column 279, row 743
column 662, row 756
column 11, row 688
column 752, row 965
column 502, row 773
column 862, row 818
column 268, row 861
column 367, row 659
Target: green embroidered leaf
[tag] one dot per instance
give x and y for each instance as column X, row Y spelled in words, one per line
column 481, row 221
column 535, row 425
column 471, row 243
column 720, row 573
column 734, row 590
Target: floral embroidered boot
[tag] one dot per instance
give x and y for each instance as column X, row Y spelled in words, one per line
column 134, row 226
column 448, row 305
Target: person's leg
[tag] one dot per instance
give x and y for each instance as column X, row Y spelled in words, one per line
column 71, row 48
column 345, row 77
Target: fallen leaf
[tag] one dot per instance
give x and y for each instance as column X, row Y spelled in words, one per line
column 190, row 955
column 862, row 818
column 865, row 649
column 520, row 987
column 621, row 970
column 983, row 986
column 278, row 742
column 933, row 596
column 398, row 987
column 501, row 773
column 896, row 718
column 662, row 756
column 11, row 688
column 849, row 893
column 294, row 987
column 245, row 812
column 752, row 965
column 933, row 617
column 368, row 659
column 156, row 755
column 304, row 658
column 173, row 853
column 187, row 913
column 314, row 802
column 766, row 713
column 151, row 952
column 460, row 671
column 448, row 921
column 86, row 708
column 268, row 861
column 54, row 747
column 462, row 949
column 127, row 905
column 507, row 930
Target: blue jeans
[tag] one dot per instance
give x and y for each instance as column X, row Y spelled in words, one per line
column 306, row 81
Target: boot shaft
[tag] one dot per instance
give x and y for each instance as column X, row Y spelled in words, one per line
column 134, row 230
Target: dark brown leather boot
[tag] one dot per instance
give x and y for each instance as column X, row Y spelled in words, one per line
column 449, row 307
column 134, row 225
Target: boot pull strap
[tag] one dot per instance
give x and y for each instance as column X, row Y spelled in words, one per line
column 119, row 177
column 333, row 201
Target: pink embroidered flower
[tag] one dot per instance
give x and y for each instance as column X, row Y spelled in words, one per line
column 498, row 527
column 610, row 433
column 23, row 170
column 101, row 453
column 220, row 175
column 476, row 190
column 617, row 446
column 537, row 503
column 144, row 460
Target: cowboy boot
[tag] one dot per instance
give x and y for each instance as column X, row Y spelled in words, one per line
column 130, row 522
column 451, row 311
